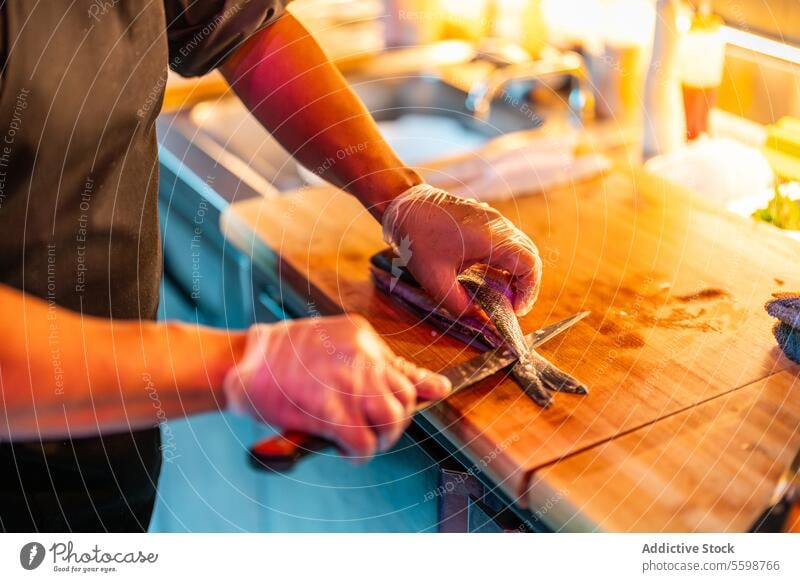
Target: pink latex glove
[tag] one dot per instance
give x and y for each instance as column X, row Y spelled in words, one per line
column 332, row 377
column 437, row 235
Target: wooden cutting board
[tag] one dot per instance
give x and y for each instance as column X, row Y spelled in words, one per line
column 712, row 467
column 676, row 353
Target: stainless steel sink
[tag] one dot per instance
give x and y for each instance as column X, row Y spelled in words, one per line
column 430, row 95
column 420, row 117
column 423, row 115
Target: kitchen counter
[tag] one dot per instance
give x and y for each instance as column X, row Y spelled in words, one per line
column 693, row 411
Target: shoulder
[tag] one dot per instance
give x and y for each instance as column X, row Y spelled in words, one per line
column 202, row 34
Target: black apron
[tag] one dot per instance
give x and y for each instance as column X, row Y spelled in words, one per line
column 80, row 87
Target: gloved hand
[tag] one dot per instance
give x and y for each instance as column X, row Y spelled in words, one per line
column 332, row 377
column 438, row 235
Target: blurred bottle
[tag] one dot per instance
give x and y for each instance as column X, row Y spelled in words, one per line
column 520, row 22
column 617, row 57
column 702, row 61
column 664, row 123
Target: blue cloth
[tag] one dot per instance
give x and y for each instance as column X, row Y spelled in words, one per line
column 789, row 340
column 785, row 307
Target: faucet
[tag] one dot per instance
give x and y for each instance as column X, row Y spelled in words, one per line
column 581, row 97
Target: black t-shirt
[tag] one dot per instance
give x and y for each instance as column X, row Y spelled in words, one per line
column 80, row 87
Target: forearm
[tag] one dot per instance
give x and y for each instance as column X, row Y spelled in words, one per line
column 285, row 79
column 62, row 374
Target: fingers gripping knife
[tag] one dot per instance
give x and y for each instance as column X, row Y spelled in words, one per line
column 280, row 453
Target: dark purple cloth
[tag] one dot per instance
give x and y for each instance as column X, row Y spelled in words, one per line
column 785, row 307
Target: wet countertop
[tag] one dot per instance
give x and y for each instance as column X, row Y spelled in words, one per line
column 693, row 411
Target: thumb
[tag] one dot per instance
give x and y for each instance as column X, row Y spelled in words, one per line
column 442, row 284
column 429, row 385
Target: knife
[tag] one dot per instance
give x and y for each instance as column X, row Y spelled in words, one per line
column 281, row 452
column 783, row 513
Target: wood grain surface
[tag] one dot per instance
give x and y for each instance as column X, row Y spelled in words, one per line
column 712, row 467
column 676, row 291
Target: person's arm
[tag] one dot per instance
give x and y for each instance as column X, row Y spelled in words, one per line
column 285, row 79
column 62, row 374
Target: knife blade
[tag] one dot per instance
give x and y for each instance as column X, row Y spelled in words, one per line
column 480, row 367
column 282, row 452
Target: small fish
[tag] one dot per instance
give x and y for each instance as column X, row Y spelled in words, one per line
column 491, row 290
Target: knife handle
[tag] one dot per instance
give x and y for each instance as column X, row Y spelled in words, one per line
column 281, row 452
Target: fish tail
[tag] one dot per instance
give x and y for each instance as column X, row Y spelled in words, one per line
column 554, row 378
column 531, row 382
